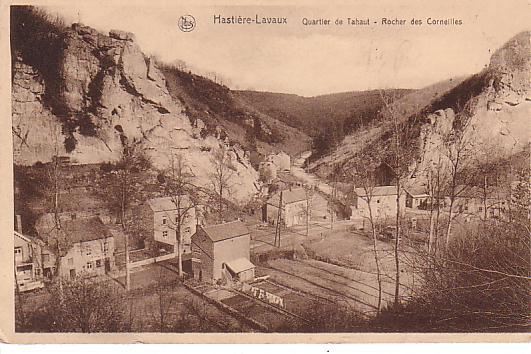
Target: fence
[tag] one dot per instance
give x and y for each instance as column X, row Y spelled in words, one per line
column 152, row 260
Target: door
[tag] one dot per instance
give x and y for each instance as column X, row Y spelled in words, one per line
column 72, row 273
column 107, row 265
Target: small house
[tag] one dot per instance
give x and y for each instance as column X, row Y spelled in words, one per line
column 282, row 161
column 34, row 262
column 417, row 197
column 383, row 202
column 221, row 253
column 84, row 246
column 490, row 202
column 159, row 222
column 295, row 206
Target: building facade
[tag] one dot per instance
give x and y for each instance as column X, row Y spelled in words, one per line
column 34, row 262
column 383, row 203
column 417, row 198
column 159, row 221
column 84, row 246
column 295, row 207
column 220, row 253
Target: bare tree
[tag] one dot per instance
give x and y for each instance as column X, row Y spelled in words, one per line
column 436, row 183
column 121, row 192
column 179, row 187
column 220, row 178
column 364, row 175
column 456, row 150
column 398, row 160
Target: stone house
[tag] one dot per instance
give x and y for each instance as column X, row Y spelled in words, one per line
column 383, row 203
column 296, row 204
column 282, row 161
column 34, row 262
column 221, row 253
column 417, row 197
column 158, row 221
column 479, row 202
column 84, row 246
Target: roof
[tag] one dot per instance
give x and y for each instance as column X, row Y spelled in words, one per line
column 226, row 230
column 28, row 238
column 417, row 191
column 239, row 265
column 83, row 230
column 377, row 191
column 288, row 196
column 166, row 203
column 492, row 192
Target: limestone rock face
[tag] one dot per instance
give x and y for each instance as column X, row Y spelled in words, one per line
column 107, row 83
column 496, row 121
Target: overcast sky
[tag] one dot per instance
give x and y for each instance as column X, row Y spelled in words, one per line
column 312, row 60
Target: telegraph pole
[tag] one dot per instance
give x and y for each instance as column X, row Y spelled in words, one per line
column 279, row 220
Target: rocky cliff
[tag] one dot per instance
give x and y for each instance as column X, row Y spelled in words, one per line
column 491, row 109
column 105, row 92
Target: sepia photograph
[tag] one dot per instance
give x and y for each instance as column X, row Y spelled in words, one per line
column 287, row 168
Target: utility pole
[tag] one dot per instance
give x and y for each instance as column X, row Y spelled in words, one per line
column 279, row 220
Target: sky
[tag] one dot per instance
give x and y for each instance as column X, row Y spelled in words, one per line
column 314, row 60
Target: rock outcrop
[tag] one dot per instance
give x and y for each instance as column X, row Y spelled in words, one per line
column 108, row 90
column 495, row 122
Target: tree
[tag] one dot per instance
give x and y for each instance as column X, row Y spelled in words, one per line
column 363, row 174
column 178, row 186
column 398, row 156
column 456, row 149
column 436, row 181
column 120, row 188
column 87, row 306
column 220, row 177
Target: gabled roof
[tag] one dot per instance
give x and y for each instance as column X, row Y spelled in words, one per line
column 377, row 191
column 83, row 230
column 226, row 230
column 29, row 239
column 288, row 196
column 167, row 203
column 72, row 231
column 417, row 191
column 240, row 265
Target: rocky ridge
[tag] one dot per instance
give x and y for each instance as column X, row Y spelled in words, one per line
column 110, row 91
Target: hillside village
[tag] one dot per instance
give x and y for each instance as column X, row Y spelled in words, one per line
column 189, row 221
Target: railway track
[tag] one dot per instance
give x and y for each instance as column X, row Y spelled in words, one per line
column 337, row 294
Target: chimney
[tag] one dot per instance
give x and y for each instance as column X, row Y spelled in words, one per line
column 18, row 226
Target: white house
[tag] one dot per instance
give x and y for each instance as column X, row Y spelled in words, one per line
column 295, row 206
column 84, row 246
column 159, row 220
column 383, row 202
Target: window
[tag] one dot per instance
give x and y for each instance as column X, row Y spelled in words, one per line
column 37, row 271
column 187, row 229
column 378, row 201
column 164, row 220
column 18, row 251
column 87, row 250
column 164, row 234
column 70, row 261
column 89, row 265
column 105, row 246
column 480, row 208
column 98, row 263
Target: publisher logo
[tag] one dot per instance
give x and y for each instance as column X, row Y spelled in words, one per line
column 187, row 23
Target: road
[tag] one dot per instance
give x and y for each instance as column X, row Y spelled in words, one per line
column 298, row 171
